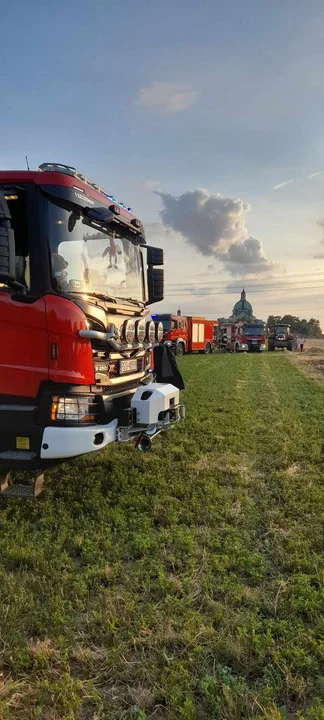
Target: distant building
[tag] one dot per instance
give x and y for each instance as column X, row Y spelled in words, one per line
column 242, row 310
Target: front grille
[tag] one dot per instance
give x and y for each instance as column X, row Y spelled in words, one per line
column 106, row 368
column 95, row 325
column 122, row 387
column 114, row 367
column 97, row 345
column 111, row 369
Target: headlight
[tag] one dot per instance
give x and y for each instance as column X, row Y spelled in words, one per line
column 74, row 409
column 150, row 331
column 129, row 331
column 140, row 330
column 159, row 331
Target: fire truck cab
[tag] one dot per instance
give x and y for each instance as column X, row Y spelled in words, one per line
column 77, row 338
column 244, row 337
column 234, row 335
column 188, row 334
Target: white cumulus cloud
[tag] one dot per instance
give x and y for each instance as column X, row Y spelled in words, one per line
column 215, row 226
column 168, row 97
column 248, row 255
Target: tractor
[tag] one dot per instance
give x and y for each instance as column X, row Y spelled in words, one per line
column 280, row 338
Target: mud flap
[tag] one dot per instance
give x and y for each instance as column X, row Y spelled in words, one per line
column 165, row 367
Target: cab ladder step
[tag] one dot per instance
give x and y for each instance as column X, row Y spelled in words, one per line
column 23, row 491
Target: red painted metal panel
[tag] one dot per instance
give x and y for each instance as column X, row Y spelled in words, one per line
column 24, row 346
column 73, row 362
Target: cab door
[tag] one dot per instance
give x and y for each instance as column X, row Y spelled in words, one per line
column 23, row 329
column 24, row 346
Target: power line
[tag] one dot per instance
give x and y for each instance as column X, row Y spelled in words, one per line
column 190, row 292
column 249, row 283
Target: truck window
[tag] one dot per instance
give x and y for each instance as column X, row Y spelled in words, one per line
column 17, row 207
column 86, row 259
column 174, row 324
column 165, row 322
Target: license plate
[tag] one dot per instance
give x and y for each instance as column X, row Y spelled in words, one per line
column 127, row 366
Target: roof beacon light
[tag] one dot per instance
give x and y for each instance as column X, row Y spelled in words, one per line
column 137, row 223
column 115, row 209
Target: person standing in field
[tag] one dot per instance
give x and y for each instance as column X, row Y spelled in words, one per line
column 224, row 342
column 302, row 343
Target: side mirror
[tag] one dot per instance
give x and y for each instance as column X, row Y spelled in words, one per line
column 155, row 277
column 155, row 282
column 155, row 256
column 7, row 245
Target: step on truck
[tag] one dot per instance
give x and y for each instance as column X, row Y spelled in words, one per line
column 77, row 337
column 280, row 338
column 188, row 334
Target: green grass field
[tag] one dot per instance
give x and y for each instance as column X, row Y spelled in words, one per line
column 184, row 583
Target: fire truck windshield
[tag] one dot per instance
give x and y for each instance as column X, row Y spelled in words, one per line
column 253, row 330
column 87, row 260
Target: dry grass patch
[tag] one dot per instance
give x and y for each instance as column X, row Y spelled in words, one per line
column 311, row 361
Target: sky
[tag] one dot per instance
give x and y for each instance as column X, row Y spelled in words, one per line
column 206, row 118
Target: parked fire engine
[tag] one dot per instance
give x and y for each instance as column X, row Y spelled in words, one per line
column 188, row 334
column 244, row 337
column 77, row 339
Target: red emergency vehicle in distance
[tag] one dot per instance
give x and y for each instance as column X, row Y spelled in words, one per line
column 244, row 337
column 188, row 334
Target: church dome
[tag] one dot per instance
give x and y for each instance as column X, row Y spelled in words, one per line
column 243, row 307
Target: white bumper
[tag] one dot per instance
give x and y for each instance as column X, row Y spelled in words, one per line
column 66, row 442
column 156, row 407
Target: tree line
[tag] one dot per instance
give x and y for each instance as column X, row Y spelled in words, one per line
column 308, row 328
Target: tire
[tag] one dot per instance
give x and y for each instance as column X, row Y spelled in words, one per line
column 271, row 345
column 180, row 349
column 289, row 346
column 237, row 348
column 207, row 349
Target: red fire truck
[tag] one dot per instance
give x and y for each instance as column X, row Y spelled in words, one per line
column 188, row 334
column 248, row 337
column 77, row 338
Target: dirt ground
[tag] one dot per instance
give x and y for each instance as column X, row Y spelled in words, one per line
column 311, row 361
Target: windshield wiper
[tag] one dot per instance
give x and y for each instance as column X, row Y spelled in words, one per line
column 132, row 300
column 100, row 296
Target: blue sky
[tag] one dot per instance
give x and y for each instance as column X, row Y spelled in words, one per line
column 177, row 96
